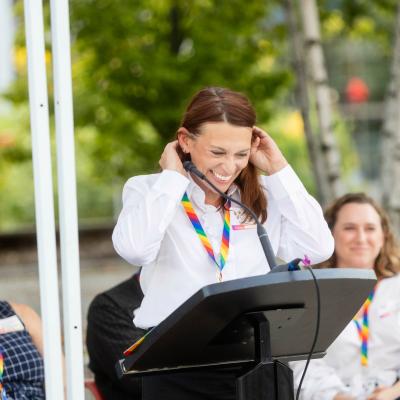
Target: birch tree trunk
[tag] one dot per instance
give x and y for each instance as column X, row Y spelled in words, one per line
column 302, row 99
column 391, row 139
column 319, row 80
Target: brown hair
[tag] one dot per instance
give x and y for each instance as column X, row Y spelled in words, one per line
column 388, row 261
column 214, row 104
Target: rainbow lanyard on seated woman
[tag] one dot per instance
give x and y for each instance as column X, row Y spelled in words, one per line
column 187, row 205
column 363, row 329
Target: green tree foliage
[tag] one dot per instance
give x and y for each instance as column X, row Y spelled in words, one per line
column 135, row 66
column 141, row 61
column 16, row 180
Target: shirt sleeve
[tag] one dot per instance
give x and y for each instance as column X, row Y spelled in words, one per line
column 304, row 230
column 147, row 211
column 320, row 383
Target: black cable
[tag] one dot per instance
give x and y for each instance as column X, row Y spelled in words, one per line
column 316, row 330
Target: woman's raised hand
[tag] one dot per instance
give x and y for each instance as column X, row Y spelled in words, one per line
column 385, row 393
column 170, row 159
column 265, row 154
column 342, row 396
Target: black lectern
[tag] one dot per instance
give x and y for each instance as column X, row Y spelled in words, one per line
column 257, row 323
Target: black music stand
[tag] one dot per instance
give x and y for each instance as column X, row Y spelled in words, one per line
column 257, row 323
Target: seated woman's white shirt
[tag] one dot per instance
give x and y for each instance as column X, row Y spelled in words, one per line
column 154, row 231
column 341, row 370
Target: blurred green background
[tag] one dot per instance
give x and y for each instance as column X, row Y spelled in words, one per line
column 137, row 63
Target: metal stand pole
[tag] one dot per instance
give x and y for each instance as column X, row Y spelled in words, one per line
column 269, row 379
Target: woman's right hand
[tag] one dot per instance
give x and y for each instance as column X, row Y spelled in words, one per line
column 170, row 159
column 342, row 396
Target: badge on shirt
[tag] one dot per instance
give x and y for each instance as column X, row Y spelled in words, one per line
column 11, row 324
column 388, row 309
column 238, row 220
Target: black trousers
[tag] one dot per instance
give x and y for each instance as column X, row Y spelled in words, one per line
column 196, row 385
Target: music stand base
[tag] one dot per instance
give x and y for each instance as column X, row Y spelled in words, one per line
column 267, row 381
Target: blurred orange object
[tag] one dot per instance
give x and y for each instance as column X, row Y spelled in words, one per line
column 6, row 139
column 357, row 90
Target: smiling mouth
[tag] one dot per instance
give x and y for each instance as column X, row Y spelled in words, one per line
column 222, row 178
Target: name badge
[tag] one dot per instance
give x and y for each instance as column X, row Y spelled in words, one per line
column 237, row 220
column 11, row 324
column 241, row 227
column 388, row 309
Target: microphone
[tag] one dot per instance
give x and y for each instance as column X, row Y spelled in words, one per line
column 261, row 232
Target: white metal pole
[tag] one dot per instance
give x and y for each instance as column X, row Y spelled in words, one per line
column 67, row 198
column 45, row 226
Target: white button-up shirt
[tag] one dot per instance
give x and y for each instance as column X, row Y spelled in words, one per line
column 341, row 370
column 154, row 231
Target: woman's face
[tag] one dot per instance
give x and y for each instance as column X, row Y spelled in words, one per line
column 358, row 236
column 220, row 151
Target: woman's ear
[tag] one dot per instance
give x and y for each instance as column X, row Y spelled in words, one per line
column 183, row 139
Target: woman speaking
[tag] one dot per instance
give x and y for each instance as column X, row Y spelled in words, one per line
column 186, row 236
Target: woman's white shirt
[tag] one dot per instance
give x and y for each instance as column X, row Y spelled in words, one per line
column 154, row 231
column 341, row 370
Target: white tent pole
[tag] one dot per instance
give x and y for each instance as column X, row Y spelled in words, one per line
column 45, row 226
column 67, row 198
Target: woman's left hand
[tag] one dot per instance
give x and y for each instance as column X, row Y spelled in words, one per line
column 384, row 393
column 265, row 154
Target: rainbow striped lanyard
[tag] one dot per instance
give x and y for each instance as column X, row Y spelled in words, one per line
column 363, row 329
column 187, row 205
column 135, row 345
column 2, row 391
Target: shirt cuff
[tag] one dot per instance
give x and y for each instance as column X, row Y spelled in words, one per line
column 283, row 182
column 171, row 183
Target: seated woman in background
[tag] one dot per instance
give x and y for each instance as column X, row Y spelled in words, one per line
column 22, row 350
column 363, row 239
